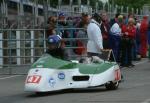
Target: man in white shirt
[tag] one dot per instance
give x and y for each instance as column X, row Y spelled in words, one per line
column 95, row 40
column 115, row 37
column 116, row 30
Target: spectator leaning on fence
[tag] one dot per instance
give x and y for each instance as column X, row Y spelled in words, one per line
column 51, row 26
column 61, row 25
column 82, row 33
column 85, row 19
column 95, row 40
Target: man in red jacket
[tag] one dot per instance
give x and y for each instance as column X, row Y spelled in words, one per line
column 143, row 36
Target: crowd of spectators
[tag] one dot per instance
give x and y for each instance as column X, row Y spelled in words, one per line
column 127, row 35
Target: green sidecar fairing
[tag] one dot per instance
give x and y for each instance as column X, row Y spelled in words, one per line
column 50, row 74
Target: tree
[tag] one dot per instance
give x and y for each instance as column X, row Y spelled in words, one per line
column 130, row 3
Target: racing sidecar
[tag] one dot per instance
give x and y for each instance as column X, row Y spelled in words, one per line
column 49, row 74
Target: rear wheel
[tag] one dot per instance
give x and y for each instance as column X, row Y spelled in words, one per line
column 112, row 85
column 39, row 93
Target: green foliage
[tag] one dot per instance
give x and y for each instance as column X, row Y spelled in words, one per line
column 130, row 3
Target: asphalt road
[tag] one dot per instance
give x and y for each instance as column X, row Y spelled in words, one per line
column 134, row 89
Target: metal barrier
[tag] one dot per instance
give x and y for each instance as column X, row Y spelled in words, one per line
column 19, row 48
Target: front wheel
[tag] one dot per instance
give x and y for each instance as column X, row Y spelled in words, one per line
column 112, row 85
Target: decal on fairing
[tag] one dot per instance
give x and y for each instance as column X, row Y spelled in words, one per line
column 61, row 75
column 52, row 81
column 36, row 70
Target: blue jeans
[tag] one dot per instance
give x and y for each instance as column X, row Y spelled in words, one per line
column 115, row 46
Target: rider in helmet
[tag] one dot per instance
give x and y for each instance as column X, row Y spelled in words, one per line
column 54, row 46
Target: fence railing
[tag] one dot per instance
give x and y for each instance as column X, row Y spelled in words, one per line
column 19, row 48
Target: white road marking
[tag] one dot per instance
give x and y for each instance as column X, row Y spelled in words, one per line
column 146, row 101
column 9, row 77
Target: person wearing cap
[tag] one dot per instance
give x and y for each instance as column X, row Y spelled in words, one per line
column 62, row 19
column 62, row 23
column 54, row 47
column 85, row 19
column 95, row 40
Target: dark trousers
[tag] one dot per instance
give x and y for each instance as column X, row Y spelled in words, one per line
column 126, row 51
column 106, row 44
column 115, row 46
column 134, row 50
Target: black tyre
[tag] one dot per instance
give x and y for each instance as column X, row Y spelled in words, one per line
column 112, row 85
column 41, row 93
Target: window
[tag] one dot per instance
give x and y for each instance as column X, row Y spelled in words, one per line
column 27, row 8
column 40, row 11
column 12, row 5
